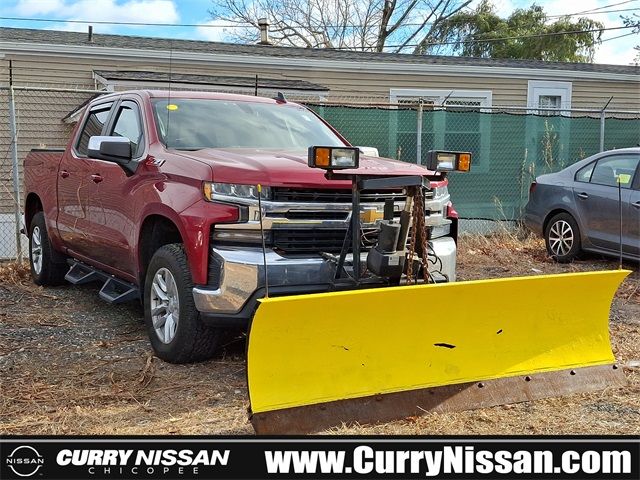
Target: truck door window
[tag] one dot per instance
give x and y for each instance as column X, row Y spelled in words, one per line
column 127, row 125
column 93, row 126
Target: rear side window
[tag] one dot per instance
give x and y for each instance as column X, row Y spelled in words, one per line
column 608, row 170
column 584, row 174
column 93, row 126
column 128, row 125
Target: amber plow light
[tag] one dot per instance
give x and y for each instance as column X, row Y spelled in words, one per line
column 334, row 158
column 441, row 161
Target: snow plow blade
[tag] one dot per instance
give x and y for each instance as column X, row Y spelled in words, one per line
column 321, row 360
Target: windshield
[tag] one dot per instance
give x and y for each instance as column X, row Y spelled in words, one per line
column 192, row 124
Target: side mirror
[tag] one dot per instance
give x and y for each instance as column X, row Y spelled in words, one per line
column 111, row 149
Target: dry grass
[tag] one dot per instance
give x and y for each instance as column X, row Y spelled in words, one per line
column 69, row 364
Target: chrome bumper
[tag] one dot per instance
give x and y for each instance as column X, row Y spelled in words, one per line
column 243, row 274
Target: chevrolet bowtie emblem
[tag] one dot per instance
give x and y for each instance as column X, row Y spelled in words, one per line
column 370, row 216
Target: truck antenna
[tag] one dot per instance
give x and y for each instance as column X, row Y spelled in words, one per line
column 169, row 108
column 264, row 247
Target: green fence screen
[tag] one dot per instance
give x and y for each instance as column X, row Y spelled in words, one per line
column 509, row 150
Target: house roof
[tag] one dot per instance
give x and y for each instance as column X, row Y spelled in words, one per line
column 218, row 80
column 54, row 37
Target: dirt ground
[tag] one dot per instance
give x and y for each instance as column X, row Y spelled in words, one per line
column 71, row 364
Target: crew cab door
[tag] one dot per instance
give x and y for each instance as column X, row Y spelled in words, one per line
column 597, row 200
column 75, row 184
column 113, row 194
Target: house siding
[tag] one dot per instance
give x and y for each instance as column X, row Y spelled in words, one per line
column 345, row 84
column 64, row 72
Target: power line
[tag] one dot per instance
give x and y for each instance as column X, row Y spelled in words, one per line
column 249, row 25
column 619, row 36
column 134, row 24
column 517, row 37
column 606, row 6
column 488, row 40
column 591, row 12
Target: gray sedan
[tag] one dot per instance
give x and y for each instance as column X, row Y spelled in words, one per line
column 577, row 209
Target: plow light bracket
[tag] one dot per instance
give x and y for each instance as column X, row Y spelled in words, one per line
column 443, row 161
column 334, row 158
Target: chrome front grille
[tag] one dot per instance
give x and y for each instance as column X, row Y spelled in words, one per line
column 292, row 241
column 304, row 195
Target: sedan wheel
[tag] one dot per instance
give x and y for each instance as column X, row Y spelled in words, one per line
column 562, row 238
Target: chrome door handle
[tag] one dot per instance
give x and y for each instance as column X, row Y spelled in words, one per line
column 64, row 174
column 96, row 178
column 583, row 195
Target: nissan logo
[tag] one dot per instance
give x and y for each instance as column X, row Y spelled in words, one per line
column 25, row 461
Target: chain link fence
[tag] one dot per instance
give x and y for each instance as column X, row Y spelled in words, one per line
column 40, row 118
column 510, row 145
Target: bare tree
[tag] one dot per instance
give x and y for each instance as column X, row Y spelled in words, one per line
column 366, row 25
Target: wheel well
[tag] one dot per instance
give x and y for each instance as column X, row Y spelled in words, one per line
column 32, row 206
column 552, row 214
column 156, row 232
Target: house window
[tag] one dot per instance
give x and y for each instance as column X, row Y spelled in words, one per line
column 452, row 120
column 549, row 104
column 549, row 98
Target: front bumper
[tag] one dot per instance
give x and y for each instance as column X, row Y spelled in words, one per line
column 241, row 278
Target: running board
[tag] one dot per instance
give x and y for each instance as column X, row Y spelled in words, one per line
column 117, row 291
column 113, row 289
column 79, row 274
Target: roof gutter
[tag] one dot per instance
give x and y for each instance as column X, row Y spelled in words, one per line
column 293, row 63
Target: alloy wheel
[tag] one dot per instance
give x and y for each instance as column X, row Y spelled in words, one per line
column 560, row 238
column 165, row 305
column 36, row 250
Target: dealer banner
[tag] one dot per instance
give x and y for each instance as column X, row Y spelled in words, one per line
column 311, row 457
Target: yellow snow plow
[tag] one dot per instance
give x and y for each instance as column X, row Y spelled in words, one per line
column 368, row 355
column 374, row 355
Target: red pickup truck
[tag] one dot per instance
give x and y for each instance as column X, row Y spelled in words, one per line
column 156, row 197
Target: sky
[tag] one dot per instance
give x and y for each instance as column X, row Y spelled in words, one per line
column 615, row 51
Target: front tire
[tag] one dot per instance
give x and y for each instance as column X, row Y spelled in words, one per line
column 562, row 238
column 48, row 267
column 175, row 329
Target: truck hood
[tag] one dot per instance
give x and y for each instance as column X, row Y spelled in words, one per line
column 289, row 169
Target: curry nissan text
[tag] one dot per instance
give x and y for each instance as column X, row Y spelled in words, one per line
column 155, row 196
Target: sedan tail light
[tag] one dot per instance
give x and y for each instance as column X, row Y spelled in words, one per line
column 532, row 187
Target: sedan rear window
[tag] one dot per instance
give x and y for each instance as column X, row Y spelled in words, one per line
column 584, row 174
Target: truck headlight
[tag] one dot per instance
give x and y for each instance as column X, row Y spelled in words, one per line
column 234, row 190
